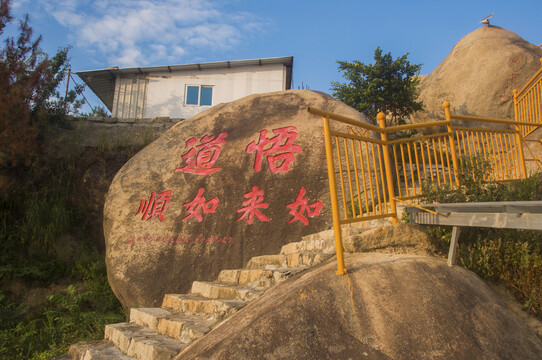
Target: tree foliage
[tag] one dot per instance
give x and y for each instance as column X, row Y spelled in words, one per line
column 387, row 85
column 28, row 91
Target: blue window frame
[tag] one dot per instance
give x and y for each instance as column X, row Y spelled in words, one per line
column 199, row 95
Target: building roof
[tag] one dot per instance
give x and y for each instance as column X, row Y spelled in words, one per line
column 102, row 81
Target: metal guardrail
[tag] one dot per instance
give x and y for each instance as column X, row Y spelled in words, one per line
column 367, row 175
column 528, row 103
column 502, row 215
column 501, row 148
column 369, row 160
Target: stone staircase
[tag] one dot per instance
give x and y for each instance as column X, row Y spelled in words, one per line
column 161, row 333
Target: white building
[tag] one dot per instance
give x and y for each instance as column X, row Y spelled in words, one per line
column 181, row 91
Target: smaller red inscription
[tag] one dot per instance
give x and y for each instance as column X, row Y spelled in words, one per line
column 156, row 206
column 198, row 205
column 182, row 240
column 252, row 204
column 200, row 158
column 300, row 205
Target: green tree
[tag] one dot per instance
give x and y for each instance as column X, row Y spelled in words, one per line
column 29, row 98
column 387, row 85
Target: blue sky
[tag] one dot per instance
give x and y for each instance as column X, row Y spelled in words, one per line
column 129, row 33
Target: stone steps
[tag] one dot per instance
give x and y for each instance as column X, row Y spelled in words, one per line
column 218, row 309
column 258, row 277
column 318, row 245
column 176, row 325
column 218, row 290
column 161, row 333
column 290, row 260
column 97, row 350
column 142, row 343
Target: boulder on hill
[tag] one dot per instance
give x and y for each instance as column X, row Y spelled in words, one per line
column 387, row 307
column 236, row 181
column 479, row 75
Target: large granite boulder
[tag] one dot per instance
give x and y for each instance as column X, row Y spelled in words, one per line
column 387, row 307
column 479, row 75
column 236, row 181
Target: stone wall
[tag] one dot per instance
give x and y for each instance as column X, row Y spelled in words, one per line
column 157, row 122
column 111, row 132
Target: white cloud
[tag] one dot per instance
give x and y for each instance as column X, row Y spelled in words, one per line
column 142, row 32
column 129, row 57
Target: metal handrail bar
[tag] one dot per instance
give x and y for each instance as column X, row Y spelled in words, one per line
column 416, row 126
column 358, row 123
column 355, row 137
column 532, row 85
column 502, row 215
column 484, row 129
column 531, row 80
column 497, row 121
column 416, row 138
column 343, row 119
column 488, row 207
column 402, row 201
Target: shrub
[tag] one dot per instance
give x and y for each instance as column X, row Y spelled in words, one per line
column 80, row 313
column 511, row 256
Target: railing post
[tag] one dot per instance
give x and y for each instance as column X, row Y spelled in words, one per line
column 341, row 270
column 516, row 115
column 519, row 136
column 381, row 117
column 446, row 106
column 453, row 245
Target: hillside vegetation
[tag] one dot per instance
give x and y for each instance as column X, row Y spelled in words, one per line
column 53, row 281
column 53, row 284
column 502, row 255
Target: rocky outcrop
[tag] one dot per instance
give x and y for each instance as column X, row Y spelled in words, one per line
column 215, row 190
column 479, row 75
column 387, row 307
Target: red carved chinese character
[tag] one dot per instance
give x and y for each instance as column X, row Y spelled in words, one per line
column 201, row 157
column 255, row 201
column 280, row 155
column 194, row 206
column 518, row 61
column 300, row 205
column 514, row 79
column 155, row 206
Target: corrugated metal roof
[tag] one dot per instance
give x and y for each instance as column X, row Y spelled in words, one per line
column 102, row 81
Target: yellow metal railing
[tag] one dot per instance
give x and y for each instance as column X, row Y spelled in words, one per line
column 368, row 174
column 357, row 159
column 502, row 149
column 528, row 103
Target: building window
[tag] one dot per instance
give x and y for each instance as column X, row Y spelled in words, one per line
column 199, row 95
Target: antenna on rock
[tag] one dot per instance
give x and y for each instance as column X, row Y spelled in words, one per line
column 486, row 19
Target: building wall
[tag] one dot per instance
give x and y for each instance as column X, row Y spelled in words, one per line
column 165, row 92
column 130, row 96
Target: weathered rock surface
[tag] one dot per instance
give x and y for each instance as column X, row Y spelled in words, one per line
column 479, row 75
column 398, row 239
column 215, row 190
column 388, row 307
